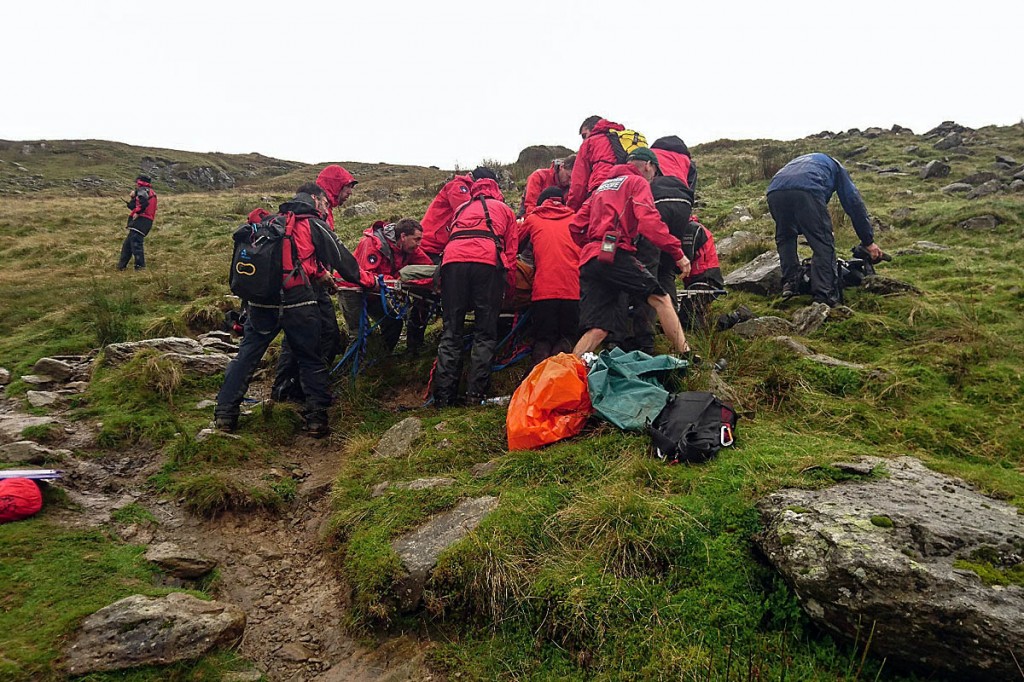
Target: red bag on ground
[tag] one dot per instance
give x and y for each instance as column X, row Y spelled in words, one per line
column 20, row 498
column 552, row 403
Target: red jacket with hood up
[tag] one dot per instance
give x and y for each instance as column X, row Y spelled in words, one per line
column 379, row 256
column 438, row 217
column 538, row 181
column 556, row 255
column 624, row 203
column 332, row 180
column 594, row 163
column 140, row 208
column 471, row 217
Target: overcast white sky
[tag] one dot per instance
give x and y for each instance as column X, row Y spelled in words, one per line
column 456, row 82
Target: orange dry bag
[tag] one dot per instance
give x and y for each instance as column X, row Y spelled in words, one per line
column 552, row 403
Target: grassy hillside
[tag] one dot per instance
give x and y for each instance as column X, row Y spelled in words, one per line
column 600, row 563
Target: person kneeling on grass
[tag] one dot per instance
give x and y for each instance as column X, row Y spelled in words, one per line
column 606, row 227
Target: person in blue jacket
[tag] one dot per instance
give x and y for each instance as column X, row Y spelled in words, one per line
column 798, row 198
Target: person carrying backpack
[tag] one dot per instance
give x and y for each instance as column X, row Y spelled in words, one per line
column 602, row 148
column 309, row 241
column 142, row 203
column 482, row 245
column 798, row 198
column 438, row 218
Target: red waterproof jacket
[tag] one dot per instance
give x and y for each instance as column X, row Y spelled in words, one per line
column 438, row 217
column 623, row 203
column 377, row 255
column 705, row 256
column 332, row 180
column 556, row 256
column 594, row 162
column 472, row 240
column 143, row 206
column 538, row 181
column 675, row 164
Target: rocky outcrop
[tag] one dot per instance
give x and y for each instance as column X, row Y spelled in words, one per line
column 12, row 425
column 201, row 365
column 420, row 549
column 983, row 190
column 119, row 353
column 142, row 630
column 30, row 452
column 397, row 440
column 893, row 554
column 419, row 484
column 763, row 275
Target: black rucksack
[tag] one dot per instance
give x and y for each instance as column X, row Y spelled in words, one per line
column 692, row 427
column 257, row 270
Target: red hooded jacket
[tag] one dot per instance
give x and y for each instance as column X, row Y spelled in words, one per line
column 624, row 203
column 538, row 181
column 706, row 256
column 140, row 208
column 556, row 255
column 332, row 180
column 471, row 217
column 438, row 217
column 594, row 162
column 379, row 256
column 675, row 164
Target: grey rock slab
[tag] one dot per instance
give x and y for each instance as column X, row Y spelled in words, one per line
column 855, row 152
column 935, row 169
column 142, row 630
column 830, row 361
column 30, row 452
column 885, row 286
column 12, row 425
column 764, row 326
column 930, row 246
column 793, row 345
column 737, row 241
column 40, row 381
column 418, row 484
column 42, row 398
column 420, row 549
column 483, row 469
column 862, row 468
column 980, row 178
column 762, row 275
column 58, row 369
column 1017, row 186
column 810, row 319
column 848, row 570
column 178, row 561
column 118, row 353
column 218, row 346
column 1008, row 160
column 397, row 440
column 950, row 141
column 990, row 187
column 202, row 365
column 5, row 376
column 957, row 188
column 216, row 334
column 981, row 222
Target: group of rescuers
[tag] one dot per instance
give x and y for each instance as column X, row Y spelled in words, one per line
column 603, row 237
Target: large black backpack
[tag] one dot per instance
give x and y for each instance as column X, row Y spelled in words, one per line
column 257, row 270
column 692, row 427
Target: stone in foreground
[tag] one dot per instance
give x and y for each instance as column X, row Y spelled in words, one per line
column 142, row 630
column 179, row 562
column 885, row 552
column 762, row 276
column 397, row 440
column 420, row 549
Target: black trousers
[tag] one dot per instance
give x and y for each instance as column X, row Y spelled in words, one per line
column 556, row 327
column 301, row 326
column 798, row 212
column 132, row 244
column 287, row 385
column 464, row 287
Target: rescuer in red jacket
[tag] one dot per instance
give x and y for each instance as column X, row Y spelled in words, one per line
column 556, row 276
column 385, row 249
column 142, row 203
column 594, row 160
column 606, row 227
column 481, row 248
column 558, row 175
column 338, row 183
column 438, row 217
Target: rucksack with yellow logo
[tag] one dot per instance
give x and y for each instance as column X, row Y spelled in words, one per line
column 625, row 141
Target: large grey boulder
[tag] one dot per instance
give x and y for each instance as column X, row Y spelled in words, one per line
column 397, row 440
column 178, row 561
column 808, row 320
column 935, row 169
column 42, row 398
column 5, row 376
column 142, row 630
column 58, row 369
column 763, row 275
column 420, row 549
column 119, row 353
column 950, row 141
column 884, row 554
column 990, row 187
column 956, row 188
column 980, row 222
